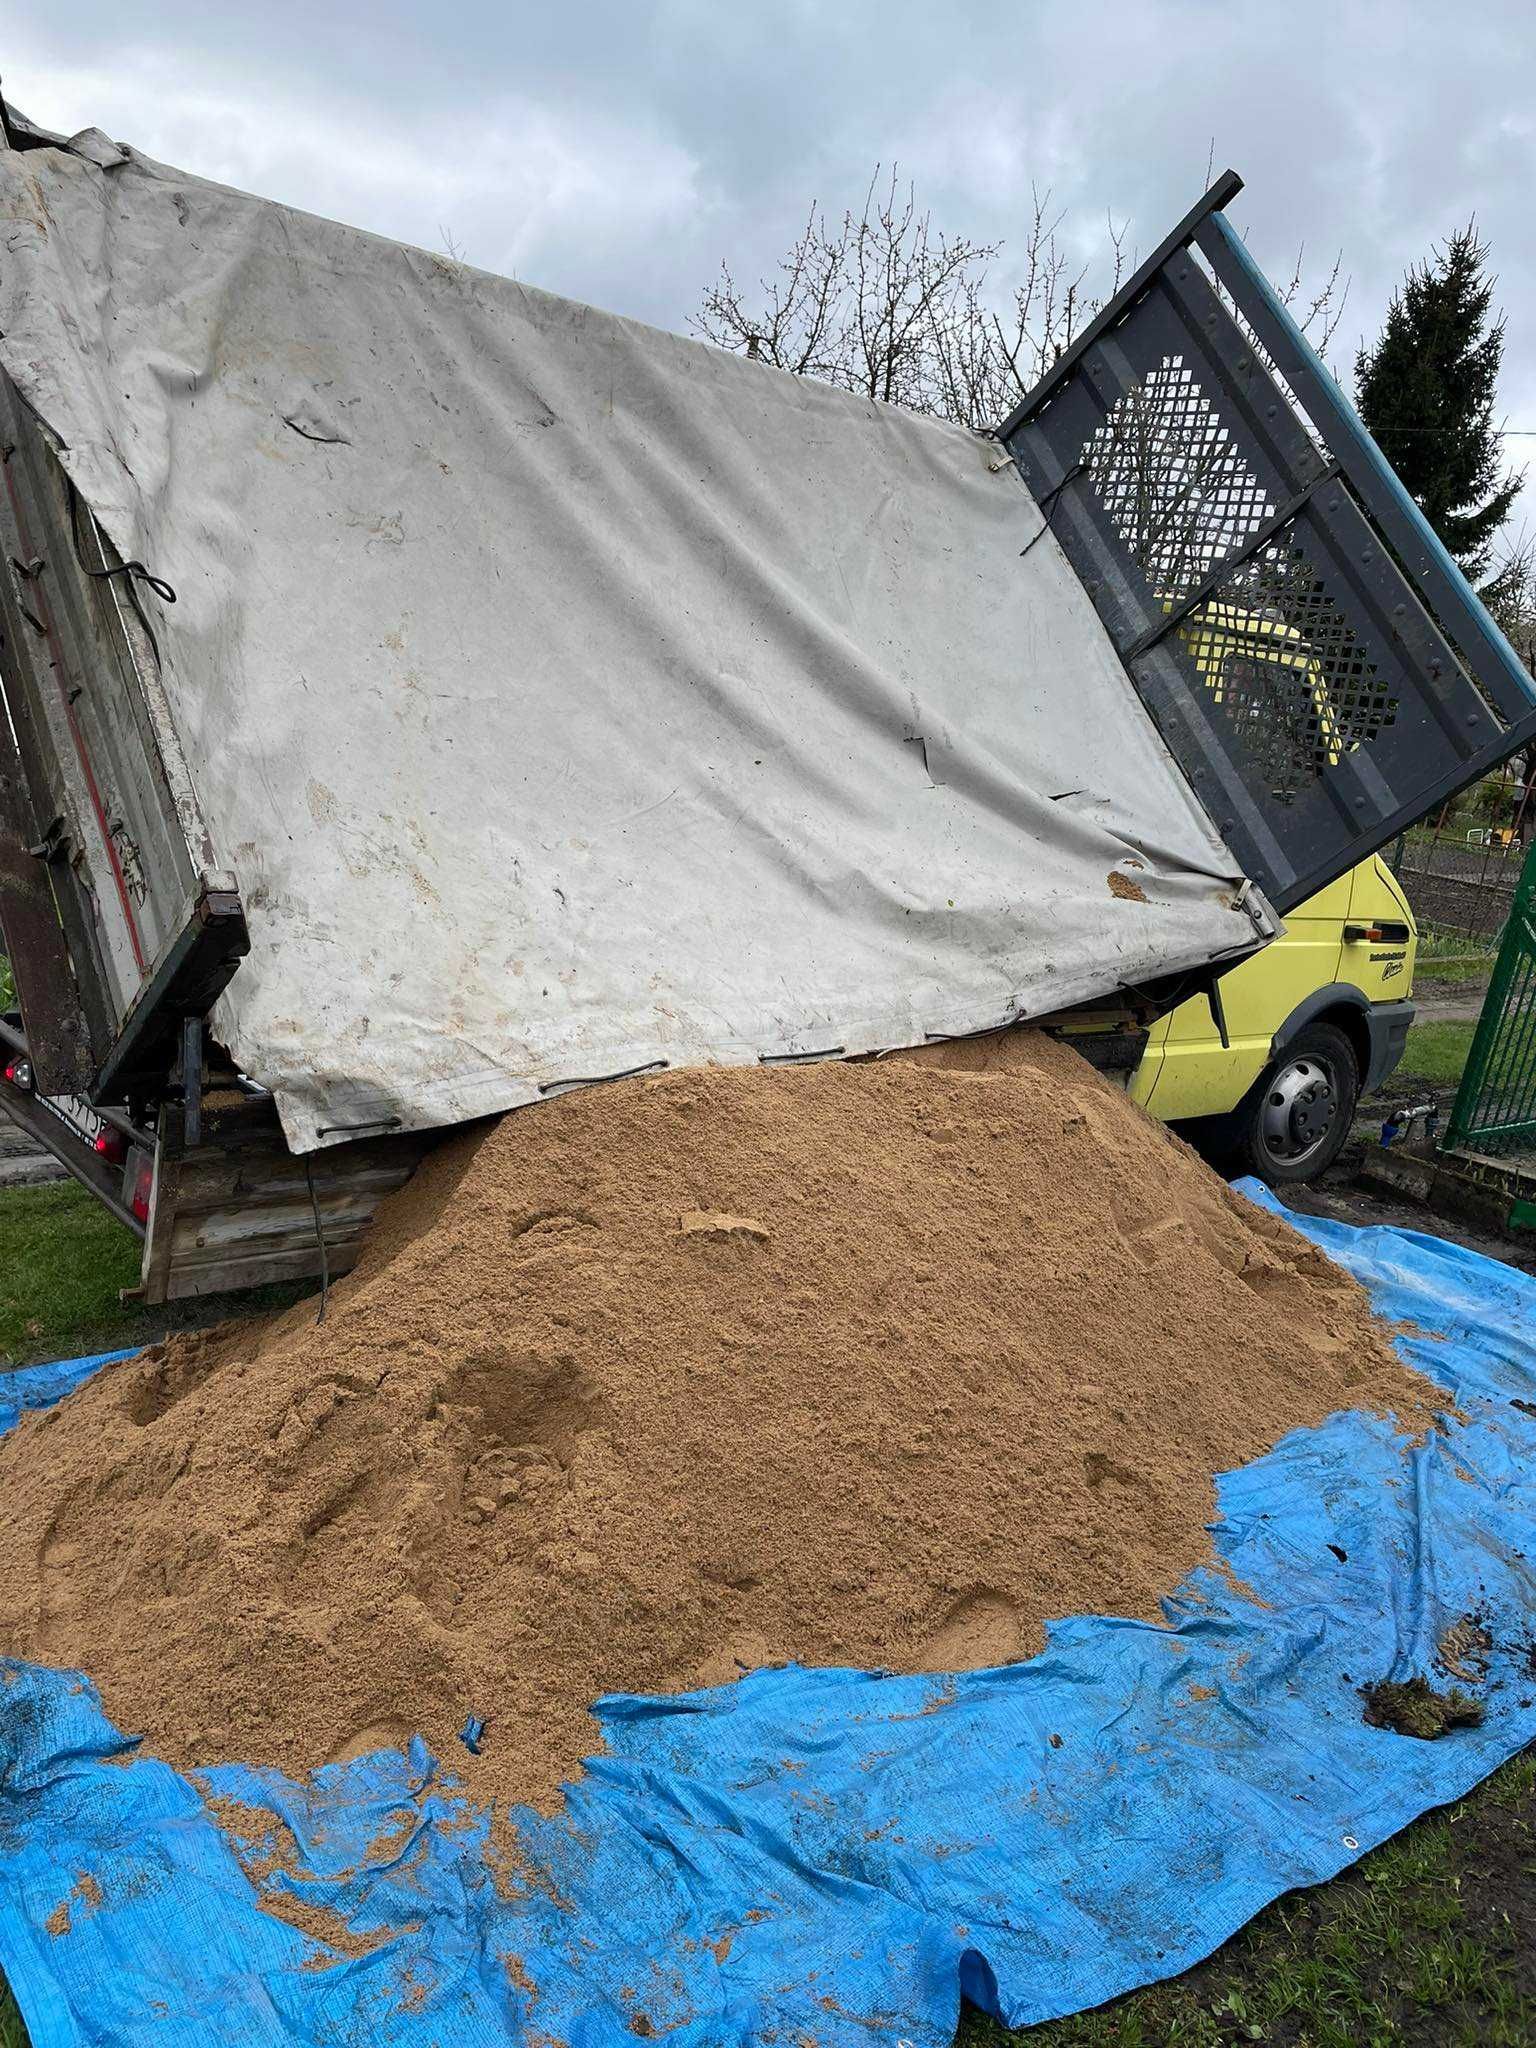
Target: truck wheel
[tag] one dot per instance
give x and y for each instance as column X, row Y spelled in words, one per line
column 1298, row 1113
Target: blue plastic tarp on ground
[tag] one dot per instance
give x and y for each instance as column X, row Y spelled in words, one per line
column 808, row 1855
column 39, row 1386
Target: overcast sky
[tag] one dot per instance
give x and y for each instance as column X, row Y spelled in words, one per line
column 616, row 151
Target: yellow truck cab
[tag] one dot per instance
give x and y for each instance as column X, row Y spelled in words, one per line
column 1319, row 1017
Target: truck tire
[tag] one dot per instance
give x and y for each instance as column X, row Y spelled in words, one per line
column 1293, row 1122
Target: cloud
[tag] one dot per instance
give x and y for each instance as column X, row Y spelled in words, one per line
column 617, row 151
column 559, row 196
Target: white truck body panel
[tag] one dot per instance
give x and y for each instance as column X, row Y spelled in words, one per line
column 566, row 697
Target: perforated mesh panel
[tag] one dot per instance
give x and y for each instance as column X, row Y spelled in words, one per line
column 1180, row 496
column 1291, row 677
column 1321, row 682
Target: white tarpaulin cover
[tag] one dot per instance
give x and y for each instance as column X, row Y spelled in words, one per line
column 567, row 696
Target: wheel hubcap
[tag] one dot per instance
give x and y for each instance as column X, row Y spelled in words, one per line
column 1299, row 1109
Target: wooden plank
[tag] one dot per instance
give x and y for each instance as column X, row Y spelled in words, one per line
column 264, row 1230
column 208, row 1184
column 228, row 1137
column 235, row 1210
column 154, row 930
column 279, row 1227
column 258, row 1271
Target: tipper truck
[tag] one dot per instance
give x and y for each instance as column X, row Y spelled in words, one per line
column 425, row 695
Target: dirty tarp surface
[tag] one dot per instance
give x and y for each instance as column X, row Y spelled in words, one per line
column 809, row 1854
column 567, row 696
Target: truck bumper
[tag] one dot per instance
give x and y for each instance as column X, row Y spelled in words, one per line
column 1388, row 1026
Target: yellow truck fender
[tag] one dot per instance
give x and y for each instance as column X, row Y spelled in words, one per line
column 1377, row 1031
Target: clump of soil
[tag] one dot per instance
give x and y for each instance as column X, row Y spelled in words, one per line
column 1415, row 1708
column 870, row 1364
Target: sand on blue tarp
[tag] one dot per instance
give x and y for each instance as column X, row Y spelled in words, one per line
column 810, row 1854
column 39, row 1386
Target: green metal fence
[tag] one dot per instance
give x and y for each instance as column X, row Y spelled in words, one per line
column 1495, row 1109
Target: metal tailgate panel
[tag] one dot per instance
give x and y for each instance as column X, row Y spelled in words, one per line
column 99, row 809
column 1199, row 465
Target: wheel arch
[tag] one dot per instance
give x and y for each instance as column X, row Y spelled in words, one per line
column 1339, row 1004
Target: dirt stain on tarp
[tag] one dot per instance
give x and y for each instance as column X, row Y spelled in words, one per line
column 83, row 1897
column 268, row 1852
column 329, row 1930
column 1126, row 887
column 263, row 1843
column 1465, row 1648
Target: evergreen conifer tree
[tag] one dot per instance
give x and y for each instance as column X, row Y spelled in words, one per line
column 1427, row 391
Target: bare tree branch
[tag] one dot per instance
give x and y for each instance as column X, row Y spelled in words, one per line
column 885, row 304
column 1320, row 313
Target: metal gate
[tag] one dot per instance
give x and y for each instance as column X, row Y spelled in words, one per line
column 1314, row 659
column 1495, row 1109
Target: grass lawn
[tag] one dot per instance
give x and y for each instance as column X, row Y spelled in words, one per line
column 62, row 1260
column 1436, row 1052
column 1453, row 967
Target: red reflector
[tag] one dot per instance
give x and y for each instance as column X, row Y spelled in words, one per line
column 10, row 1071
column 143, row 1184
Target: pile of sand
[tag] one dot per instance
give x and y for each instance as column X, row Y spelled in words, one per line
column 851, row 1364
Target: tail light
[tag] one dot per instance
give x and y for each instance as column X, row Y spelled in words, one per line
column 19, row 1073
column 141, row 1183
column 112, row 1146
